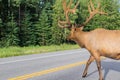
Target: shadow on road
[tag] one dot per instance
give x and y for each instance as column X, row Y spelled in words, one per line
column 108, row 66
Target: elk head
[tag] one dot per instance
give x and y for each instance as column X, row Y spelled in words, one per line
column 77, row 27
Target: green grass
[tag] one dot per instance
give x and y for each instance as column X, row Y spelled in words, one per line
column 17, row 51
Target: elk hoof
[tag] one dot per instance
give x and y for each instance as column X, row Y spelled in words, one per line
column 84, row 75
column 101, row 79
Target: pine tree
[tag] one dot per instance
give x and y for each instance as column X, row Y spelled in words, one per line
column 25, row 33
column 43, row 26
column 10, row 37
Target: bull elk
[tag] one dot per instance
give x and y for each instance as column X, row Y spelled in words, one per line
column 99, row 42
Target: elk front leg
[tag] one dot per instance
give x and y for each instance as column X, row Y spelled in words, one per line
column 98, row 62
column 90, row 60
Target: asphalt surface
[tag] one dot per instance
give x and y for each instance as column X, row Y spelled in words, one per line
column 15, row 67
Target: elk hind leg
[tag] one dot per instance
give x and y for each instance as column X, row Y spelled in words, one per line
column 90, row 60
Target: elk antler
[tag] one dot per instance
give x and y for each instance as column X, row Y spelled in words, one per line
column 67, row 10
column 93, row 12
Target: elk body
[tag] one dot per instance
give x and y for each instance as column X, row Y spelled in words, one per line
column 99, row 42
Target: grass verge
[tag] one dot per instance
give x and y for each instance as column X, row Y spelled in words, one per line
column 17, row 51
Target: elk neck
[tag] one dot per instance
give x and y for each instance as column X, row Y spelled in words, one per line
column 81, row 37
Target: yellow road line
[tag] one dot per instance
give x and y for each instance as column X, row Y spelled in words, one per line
column 24, row 77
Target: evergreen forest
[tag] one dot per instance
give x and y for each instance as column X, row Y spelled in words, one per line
column 35, row 22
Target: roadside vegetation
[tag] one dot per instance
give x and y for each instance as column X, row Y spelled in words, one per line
column 32, row 25
column 17, row 51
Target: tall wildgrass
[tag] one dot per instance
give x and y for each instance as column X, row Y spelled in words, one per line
column 17, row 51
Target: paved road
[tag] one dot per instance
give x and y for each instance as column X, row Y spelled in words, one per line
column 61, row 65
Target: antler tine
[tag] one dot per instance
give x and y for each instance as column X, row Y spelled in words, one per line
column 98, row 5
column 92, row 6
column 64, row 5
column 100, row 12
column 103, row 13
column 89, row 9
column 77, row 5
column 93, row 11
column 69, row 4
column 74, row 9
column 64, row 26
column 67, row 10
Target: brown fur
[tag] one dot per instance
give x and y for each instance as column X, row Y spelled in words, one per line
column 99, row 42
